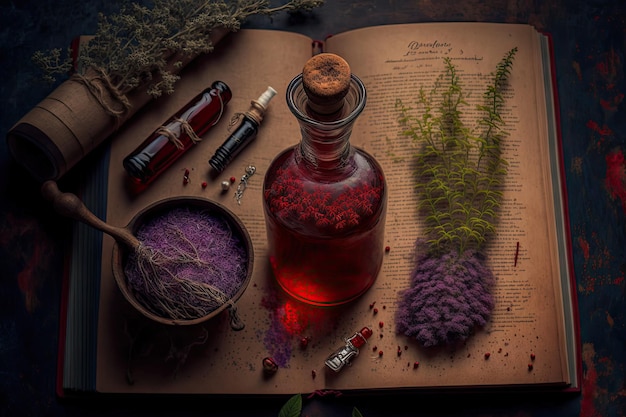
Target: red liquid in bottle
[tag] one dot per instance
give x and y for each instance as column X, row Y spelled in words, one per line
column 325, row 237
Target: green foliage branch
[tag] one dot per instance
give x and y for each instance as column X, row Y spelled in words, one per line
column 459, row 169
column 293, row 408
column 143, row 44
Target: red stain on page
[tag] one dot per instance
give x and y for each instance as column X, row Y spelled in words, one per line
column 615, row 180
column 290, row 322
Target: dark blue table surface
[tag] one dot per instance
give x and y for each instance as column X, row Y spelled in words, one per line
column 589, row 41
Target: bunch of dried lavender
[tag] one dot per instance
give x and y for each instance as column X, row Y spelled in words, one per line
column 459, row 170
column 142, row 46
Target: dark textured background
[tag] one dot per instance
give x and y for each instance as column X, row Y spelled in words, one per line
column 589, row 39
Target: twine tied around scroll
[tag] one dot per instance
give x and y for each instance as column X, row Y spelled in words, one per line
column 100, row 86
column 187, row 128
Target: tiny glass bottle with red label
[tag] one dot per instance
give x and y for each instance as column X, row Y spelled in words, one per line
column 324, row 199
column 346, row 353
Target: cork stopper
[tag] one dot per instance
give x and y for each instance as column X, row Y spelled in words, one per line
column 326, row 80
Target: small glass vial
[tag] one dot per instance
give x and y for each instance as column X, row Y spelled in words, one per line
column 345, row 354
column 178, row 134
column 325, row 200
column 245, row 133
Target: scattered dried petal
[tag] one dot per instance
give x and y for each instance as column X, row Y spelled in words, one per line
column 270, row 367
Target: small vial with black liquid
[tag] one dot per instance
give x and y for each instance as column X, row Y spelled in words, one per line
column 176, row 136
column 245, row 132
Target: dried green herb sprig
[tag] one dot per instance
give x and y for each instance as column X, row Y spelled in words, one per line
column 459, row 169
column 143, row 46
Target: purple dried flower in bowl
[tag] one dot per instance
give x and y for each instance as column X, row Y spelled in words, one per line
column 449, row 297
column 195, row 260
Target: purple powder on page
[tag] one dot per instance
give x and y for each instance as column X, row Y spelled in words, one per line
column 279, row 343
column 277, row 339
column 198, row 246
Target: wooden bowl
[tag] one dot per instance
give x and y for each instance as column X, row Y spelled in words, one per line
column 126, row 241
column 120, row 252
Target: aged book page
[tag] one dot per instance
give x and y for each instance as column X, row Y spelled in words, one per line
column 529, row 309
column 135, row 356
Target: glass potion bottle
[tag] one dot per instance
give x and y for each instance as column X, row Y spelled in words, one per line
column 325, row 200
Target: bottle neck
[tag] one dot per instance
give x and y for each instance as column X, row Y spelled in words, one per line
column 325, row 140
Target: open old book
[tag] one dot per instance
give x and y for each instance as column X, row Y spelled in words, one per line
column 108, row 348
